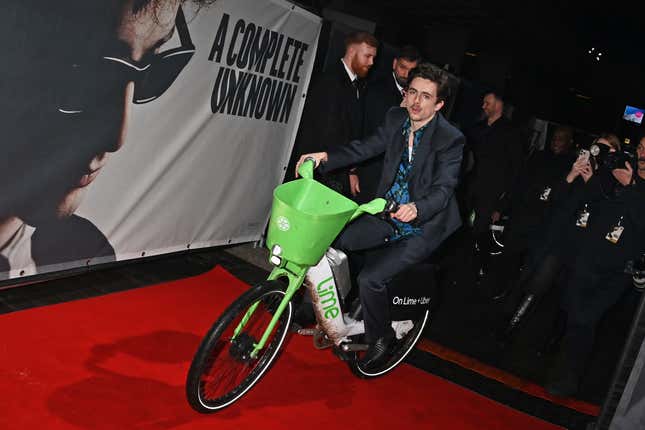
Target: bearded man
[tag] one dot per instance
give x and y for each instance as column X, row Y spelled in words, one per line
column 333, row 113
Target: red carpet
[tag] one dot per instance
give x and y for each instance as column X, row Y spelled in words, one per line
column 119, row 362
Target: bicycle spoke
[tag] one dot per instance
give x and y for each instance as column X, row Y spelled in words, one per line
column 227, row 368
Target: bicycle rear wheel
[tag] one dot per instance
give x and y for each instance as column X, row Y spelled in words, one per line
column 222, row 370
column 399, row 350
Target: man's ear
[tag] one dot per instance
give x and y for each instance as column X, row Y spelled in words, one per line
column 439, row 105
column 350, row 51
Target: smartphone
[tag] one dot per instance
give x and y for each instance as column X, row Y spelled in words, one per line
column 583, row 155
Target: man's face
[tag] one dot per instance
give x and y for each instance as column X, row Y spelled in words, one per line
column 421, row 100
column 401, row 68
column 640, row 151
column 491, row 106
column 77, row 143
column 560, row 142
column 362, row 58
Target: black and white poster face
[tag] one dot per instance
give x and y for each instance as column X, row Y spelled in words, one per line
column 141, row 127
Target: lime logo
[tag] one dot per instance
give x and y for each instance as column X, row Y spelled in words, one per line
column 283, row 223
column 328, row 300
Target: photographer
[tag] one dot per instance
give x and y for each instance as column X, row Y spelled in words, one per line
column 530, row 205
column 608, row 231
column 551, row 248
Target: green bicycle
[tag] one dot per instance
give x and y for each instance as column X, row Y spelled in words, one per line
column 247, row 338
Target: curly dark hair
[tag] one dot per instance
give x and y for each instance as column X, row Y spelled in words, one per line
column 435, row 74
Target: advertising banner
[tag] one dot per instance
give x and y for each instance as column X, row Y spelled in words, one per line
column 140, row 127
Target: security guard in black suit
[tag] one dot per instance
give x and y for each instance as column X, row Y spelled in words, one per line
column 333, row 113
column 498, row 152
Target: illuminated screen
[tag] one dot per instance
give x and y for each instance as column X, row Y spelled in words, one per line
column 633, row 114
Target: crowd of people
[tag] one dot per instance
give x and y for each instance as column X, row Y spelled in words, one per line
column 567, row 216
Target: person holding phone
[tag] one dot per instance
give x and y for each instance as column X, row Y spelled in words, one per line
column 543, row 266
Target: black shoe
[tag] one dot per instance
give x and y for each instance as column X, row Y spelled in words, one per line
column 377, row 354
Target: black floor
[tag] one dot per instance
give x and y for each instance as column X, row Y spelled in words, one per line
column 462, row 322
column 466, row 319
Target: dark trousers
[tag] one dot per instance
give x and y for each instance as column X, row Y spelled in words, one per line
column 382, row 261
column 588, row 295
column 518, row 240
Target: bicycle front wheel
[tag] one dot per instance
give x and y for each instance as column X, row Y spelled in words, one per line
column 223, row 370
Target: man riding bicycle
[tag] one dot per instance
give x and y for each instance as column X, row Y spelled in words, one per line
column 422, row 160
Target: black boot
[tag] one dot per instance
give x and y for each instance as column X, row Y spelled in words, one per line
column 525, row 306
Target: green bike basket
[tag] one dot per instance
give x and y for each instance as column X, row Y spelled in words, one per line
column 306, row 217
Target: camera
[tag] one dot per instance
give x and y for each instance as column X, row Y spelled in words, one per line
column 617, row 160
column 610, row 160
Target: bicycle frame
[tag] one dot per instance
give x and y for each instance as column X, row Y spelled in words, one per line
column 306, row 217
column 322, row 277
column 294, row 272
column 296, row 276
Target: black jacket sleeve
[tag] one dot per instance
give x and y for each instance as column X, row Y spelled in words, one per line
column 444, row 181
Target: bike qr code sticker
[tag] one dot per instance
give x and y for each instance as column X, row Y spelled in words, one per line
column 583, row 219
column 283, row 223
column 614, row 235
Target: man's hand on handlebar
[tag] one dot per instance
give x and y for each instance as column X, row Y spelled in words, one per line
column 317, row 156
column 406, row 212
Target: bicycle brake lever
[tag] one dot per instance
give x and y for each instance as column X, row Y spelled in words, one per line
column 391, row 206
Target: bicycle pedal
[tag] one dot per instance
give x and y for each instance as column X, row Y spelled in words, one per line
column 321, row 341
column 347, row 347
column 344, row 355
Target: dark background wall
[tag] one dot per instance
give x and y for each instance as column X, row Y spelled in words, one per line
column 536, row 52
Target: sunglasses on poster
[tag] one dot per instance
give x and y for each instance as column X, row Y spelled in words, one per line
column 89, row 84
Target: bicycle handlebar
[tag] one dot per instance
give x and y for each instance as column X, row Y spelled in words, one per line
column 306, row 169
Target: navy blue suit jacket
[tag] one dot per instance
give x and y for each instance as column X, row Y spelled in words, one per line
column 434, row 175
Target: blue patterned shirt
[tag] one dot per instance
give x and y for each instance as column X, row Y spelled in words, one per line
column 399, row 191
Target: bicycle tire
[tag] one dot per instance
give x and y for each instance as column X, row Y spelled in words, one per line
column 217, row 349
column 401, row 349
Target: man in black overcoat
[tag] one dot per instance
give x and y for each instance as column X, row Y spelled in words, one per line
column 498, row 154
column 333, row 114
